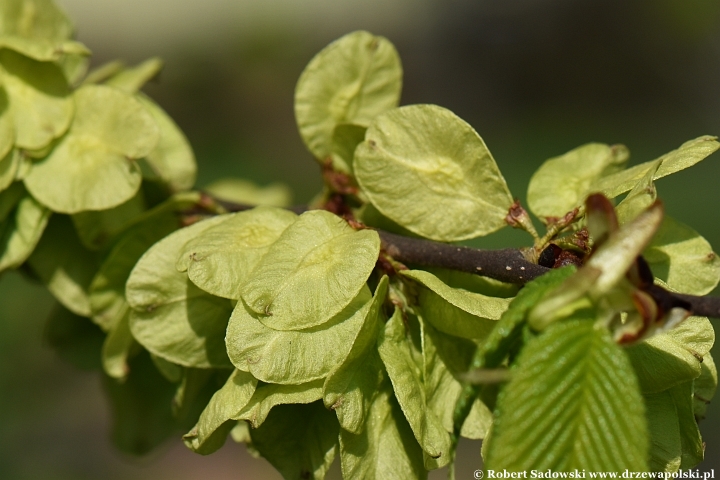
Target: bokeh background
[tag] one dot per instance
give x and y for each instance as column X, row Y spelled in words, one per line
column 534, row 77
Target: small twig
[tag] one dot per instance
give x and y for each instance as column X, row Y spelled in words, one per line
column 507, row 265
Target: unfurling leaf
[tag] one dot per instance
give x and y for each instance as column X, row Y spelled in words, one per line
column 426, row 169
column 605, row 269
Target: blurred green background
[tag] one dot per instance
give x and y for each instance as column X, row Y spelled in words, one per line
column 534, row 77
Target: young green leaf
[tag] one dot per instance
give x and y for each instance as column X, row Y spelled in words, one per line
column 572, row 402
column 93, row 167
column 305, row 278
column 172, row 317
column 672, row 357
column 350, row 386
column 352, row 80
column 455, row 311
column 215, row 422
column 220, row 259
column 22, row 223
column 410, row 392
column 562, row 183
column 294, row 357
column 64, row 265
column 172, row 161
column 107, row 290
column 270, row 395
column 506, row 336
column 39, row 97
column 687, row 155
column 426, row 169
column 495, row 349
column 299, row 440
column 386, row 447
